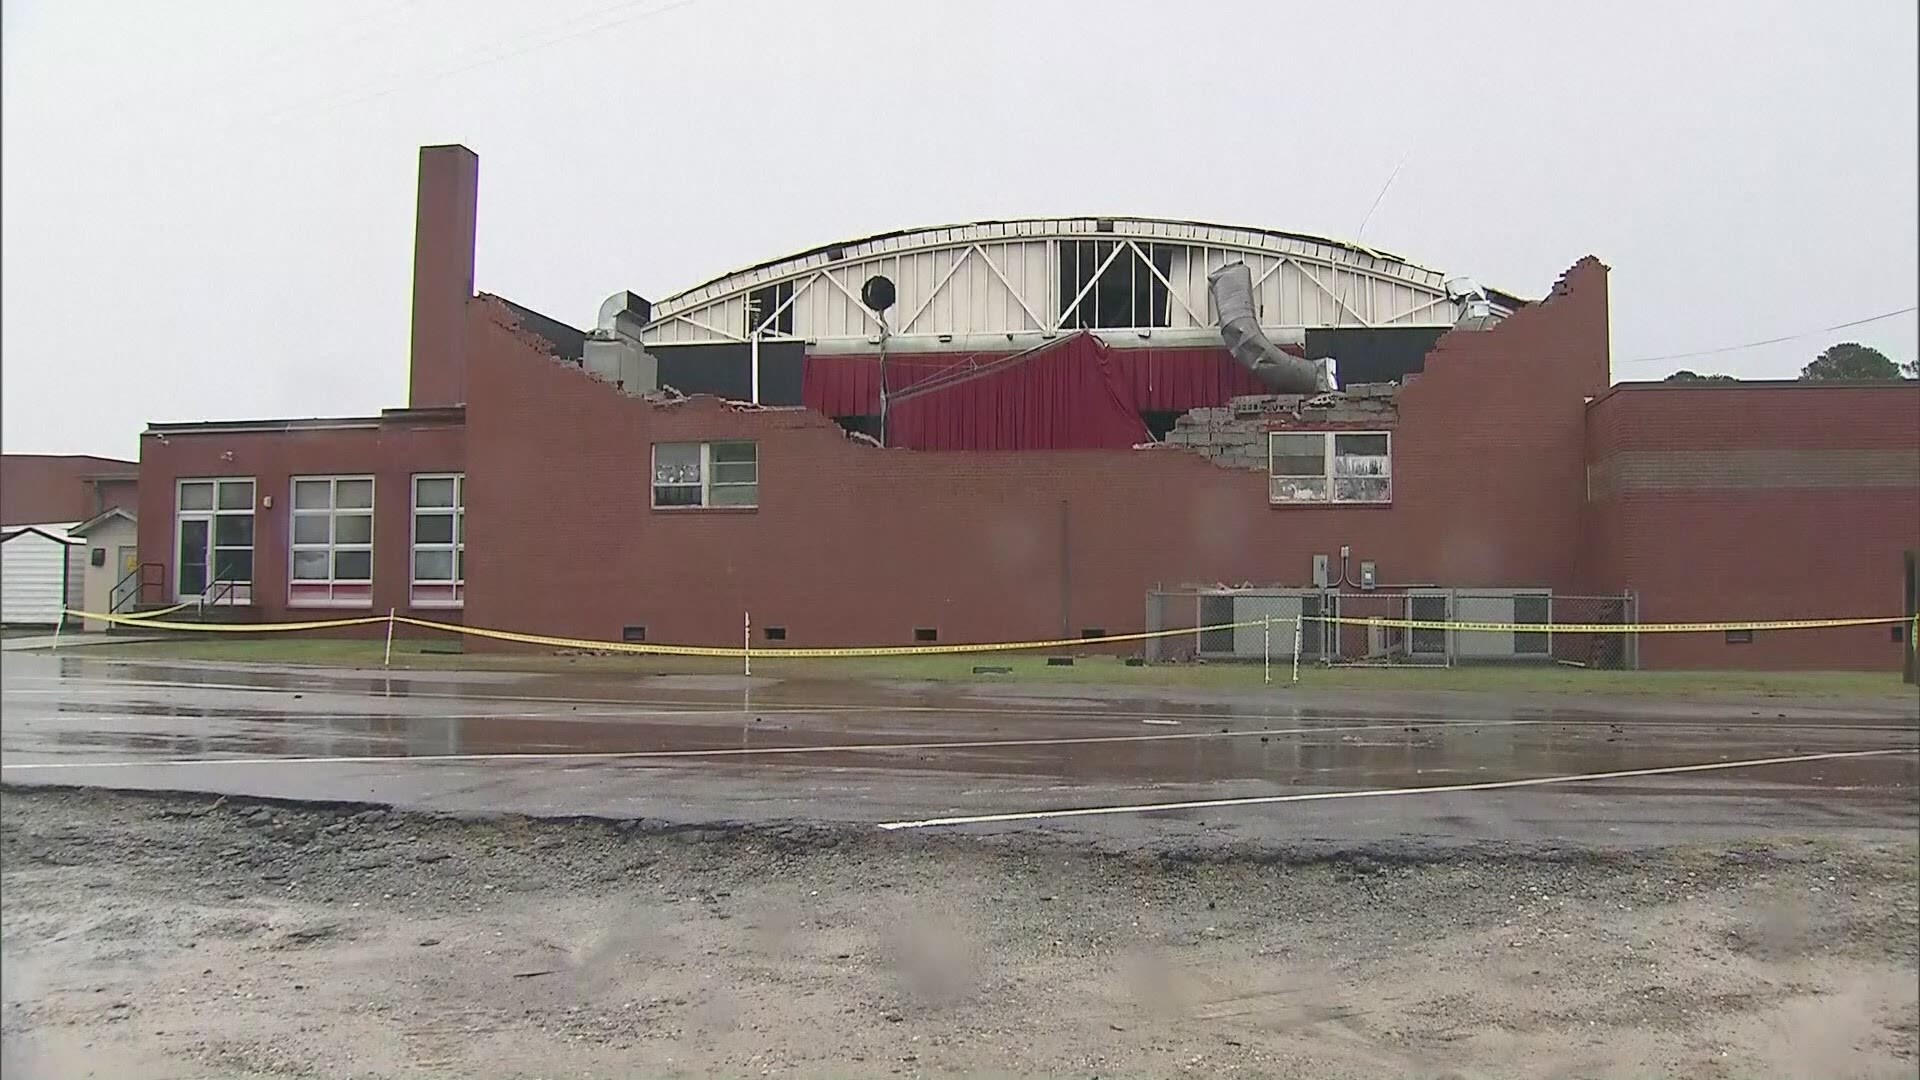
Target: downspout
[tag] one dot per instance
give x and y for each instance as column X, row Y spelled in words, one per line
column 1066, row 571
column 66, row 579
column 883, row 378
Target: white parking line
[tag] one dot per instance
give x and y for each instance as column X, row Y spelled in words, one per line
column 215, row 712
column 1077, row 708
column 1073, row 709
column 738, row 751
column 1490, row 785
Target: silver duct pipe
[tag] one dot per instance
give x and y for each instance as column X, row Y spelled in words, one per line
column 1231, row 287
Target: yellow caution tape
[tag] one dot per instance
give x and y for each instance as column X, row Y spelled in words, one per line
column 147, row 623
column 569, row 643
column 138, row 615
column 162, row 612
column 1605, row 628
column 818, row 653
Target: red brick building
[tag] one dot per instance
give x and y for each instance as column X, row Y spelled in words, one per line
column 39, row 489
column 1769, row 500
column 544, row 479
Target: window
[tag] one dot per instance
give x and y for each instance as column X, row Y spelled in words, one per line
column 1330, row 466
column 716, row 474
column 1297, row 465
column 1113, row 284
column 776, row 633
column 332, row 541
column 213, row 541
column 1362, row 469
column 1740, row 637
column 770, row 309
column 439, row 541
column 633, row 633
column 925, row 633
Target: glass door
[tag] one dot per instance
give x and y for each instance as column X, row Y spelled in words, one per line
column 196, row 551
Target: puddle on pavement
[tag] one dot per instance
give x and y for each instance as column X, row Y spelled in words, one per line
column 176, row 711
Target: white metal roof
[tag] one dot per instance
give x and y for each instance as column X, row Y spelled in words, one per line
column 991, row 281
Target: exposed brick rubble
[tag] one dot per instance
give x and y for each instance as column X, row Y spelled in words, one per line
column 1234, row 435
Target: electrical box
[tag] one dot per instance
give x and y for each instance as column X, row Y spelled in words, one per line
column 1322, row 572
column 1366, row 575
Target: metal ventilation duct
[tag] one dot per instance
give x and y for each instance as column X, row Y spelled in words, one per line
column 1231, row 287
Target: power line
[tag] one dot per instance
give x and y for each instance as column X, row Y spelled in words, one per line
column 1768, row 341
column 328, row 105
column 1359, row 237
column 313, row 44
column 575, row 27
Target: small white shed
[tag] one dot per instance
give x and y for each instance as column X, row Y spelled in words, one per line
column 40, row 573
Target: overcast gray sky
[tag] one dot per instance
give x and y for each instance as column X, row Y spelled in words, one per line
column 208, row 206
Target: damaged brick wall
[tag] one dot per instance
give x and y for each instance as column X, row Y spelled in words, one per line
column 1726, row 502
column 852, row 544
column 1234, row 435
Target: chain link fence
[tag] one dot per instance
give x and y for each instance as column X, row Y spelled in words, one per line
column 1336, row 626
column 1266, row 621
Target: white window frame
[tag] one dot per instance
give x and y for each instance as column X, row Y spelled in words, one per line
column 438, row 592
column 241, row 592
column 707, row 481
column 1329, row 474
column 359, row 590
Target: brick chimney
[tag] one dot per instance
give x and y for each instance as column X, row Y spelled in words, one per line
column 445, row 219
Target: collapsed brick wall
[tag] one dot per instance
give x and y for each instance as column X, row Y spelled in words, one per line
column 852, row 544
column 1234, row 435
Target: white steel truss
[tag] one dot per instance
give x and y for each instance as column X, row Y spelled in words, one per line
column 1004, row 281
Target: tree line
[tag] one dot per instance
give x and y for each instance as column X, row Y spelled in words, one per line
column 1848, row 361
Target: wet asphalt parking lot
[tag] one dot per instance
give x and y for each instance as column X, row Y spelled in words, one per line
column 1283, row 768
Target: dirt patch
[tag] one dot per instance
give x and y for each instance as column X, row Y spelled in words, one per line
column 152, row 937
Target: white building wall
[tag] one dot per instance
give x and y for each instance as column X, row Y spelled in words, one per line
column 95, row 583
column 33, row 577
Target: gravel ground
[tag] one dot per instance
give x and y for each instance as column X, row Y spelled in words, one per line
column 149, row 936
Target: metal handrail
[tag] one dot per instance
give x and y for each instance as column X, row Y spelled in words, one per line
column 218, row 587
column 134, row 597
column 115, row 599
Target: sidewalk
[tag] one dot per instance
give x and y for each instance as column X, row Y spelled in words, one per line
column 73, row 638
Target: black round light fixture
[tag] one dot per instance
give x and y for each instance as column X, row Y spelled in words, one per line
column 878, row 292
